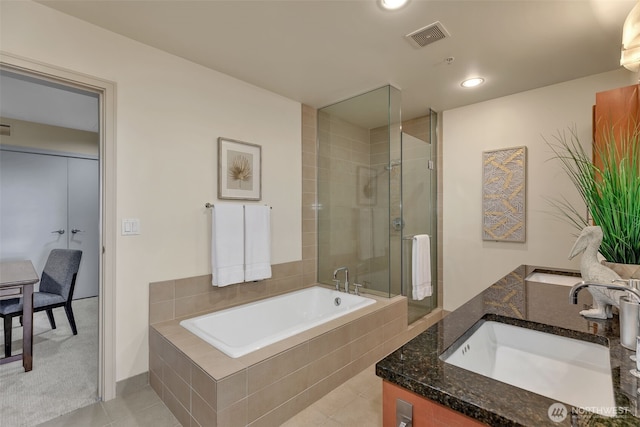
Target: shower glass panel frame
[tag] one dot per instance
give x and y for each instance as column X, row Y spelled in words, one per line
column 419, row 207
column 359, row 191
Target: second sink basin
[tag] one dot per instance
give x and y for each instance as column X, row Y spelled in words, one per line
column 565, row 369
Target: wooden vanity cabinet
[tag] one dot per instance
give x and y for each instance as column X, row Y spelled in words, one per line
column 426, row 413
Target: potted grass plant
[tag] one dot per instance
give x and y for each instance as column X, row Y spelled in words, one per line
column 610, row 191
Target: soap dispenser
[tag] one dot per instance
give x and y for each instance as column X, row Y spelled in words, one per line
column 630, row 317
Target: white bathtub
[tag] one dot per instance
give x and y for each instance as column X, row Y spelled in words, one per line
column 240, row 330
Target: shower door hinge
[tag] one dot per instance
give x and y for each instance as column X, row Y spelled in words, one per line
column 430, row 165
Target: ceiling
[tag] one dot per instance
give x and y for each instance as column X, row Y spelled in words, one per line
column 319, row 52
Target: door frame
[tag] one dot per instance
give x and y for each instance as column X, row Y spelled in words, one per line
column 106, row 91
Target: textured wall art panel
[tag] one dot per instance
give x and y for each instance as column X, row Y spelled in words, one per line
column 503, row 194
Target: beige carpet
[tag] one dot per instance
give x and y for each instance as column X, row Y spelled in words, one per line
column 65, row 368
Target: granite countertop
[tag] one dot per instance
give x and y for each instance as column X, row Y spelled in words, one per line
column 416, row 366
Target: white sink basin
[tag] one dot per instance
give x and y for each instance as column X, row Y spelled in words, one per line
column 552, row 278
column 565, row 369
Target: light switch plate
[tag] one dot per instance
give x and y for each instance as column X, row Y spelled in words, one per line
column 130, row 226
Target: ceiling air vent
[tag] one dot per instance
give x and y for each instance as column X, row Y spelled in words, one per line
column 427, row 35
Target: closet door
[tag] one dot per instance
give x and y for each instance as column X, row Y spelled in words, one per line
column 33, row 206
column 84, row 215
column 49, row 202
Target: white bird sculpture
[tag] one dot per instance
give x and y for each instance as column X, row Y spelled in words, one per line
column 592, row 270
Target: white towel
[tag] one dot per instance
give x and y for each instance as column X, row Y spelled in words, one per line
column 421, row 266
column 227, row 244
column 257, row 242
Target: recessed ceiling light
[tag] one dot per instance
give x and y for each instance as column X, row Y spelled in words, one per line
column 476, row 81
column 392, row 4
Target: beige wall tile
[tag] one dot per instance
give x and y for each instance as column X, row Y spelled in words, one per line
column 287, row 269
column 233, row 416
column 253, row 291
column 276, row 394
column 332, row 362
column 365, row 343
column 156, row 384
column 202, row 412
column 328, row 342
column 284, row 412
column 161, row 291
column 155, row 365
column 309, row 158
column 193, row 286
column 176, row 387
column 179, row 363
column 161, row 311
column 265, row 373
column 204, row 386
column 176, row 408
column 286, row 284
column 309, row 238
column 231, row 389
column 310, row 278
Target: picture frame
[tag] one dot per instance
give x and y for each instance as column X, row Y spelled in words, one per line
column 239, row 170
column 366, row 186
column 504, row 182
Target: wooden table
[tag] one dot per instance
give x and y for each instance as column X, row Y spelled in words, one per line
column 16, row 280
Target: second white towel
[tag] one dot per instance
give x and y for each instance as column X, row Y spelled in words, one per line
column 257, row 242
column 421, row 266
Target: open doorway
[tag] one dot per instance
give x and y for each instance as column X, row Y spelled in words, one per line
column 65, row 165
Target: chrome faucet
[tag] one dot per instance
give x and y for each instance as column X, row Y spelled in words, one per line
column 573, row 293
column 629, row 315
column 346, row 278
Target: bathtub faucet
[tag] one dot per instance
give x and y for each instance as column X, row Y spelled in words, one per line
column 346, row 278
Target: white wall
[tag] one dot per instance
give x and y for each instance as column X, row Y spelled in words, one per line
column 471, row 264
column 170, row 113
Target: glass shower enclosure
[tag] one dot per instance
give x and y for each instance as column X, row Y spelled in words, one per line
column 363, row 222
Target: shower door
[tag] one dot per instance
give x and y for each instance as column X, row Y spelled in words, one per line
column 418, row 213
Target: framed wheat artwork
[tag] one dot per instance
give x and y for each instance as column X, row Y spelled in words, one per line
column 503, row 194
column 239, row 170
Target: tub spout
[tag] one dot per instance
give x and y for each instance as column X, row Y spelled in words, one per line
column 346, row 278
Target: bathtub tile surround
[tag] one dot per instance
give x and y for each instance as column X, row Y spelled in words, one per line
column 178, row 298
column 200, row 384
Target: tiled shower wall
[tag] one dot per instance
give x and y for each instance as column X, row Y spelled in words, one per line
column 344, row 150
column 338, row 166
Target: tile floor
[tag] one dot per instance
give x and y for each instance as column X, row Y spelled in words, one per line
column 356, row 403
